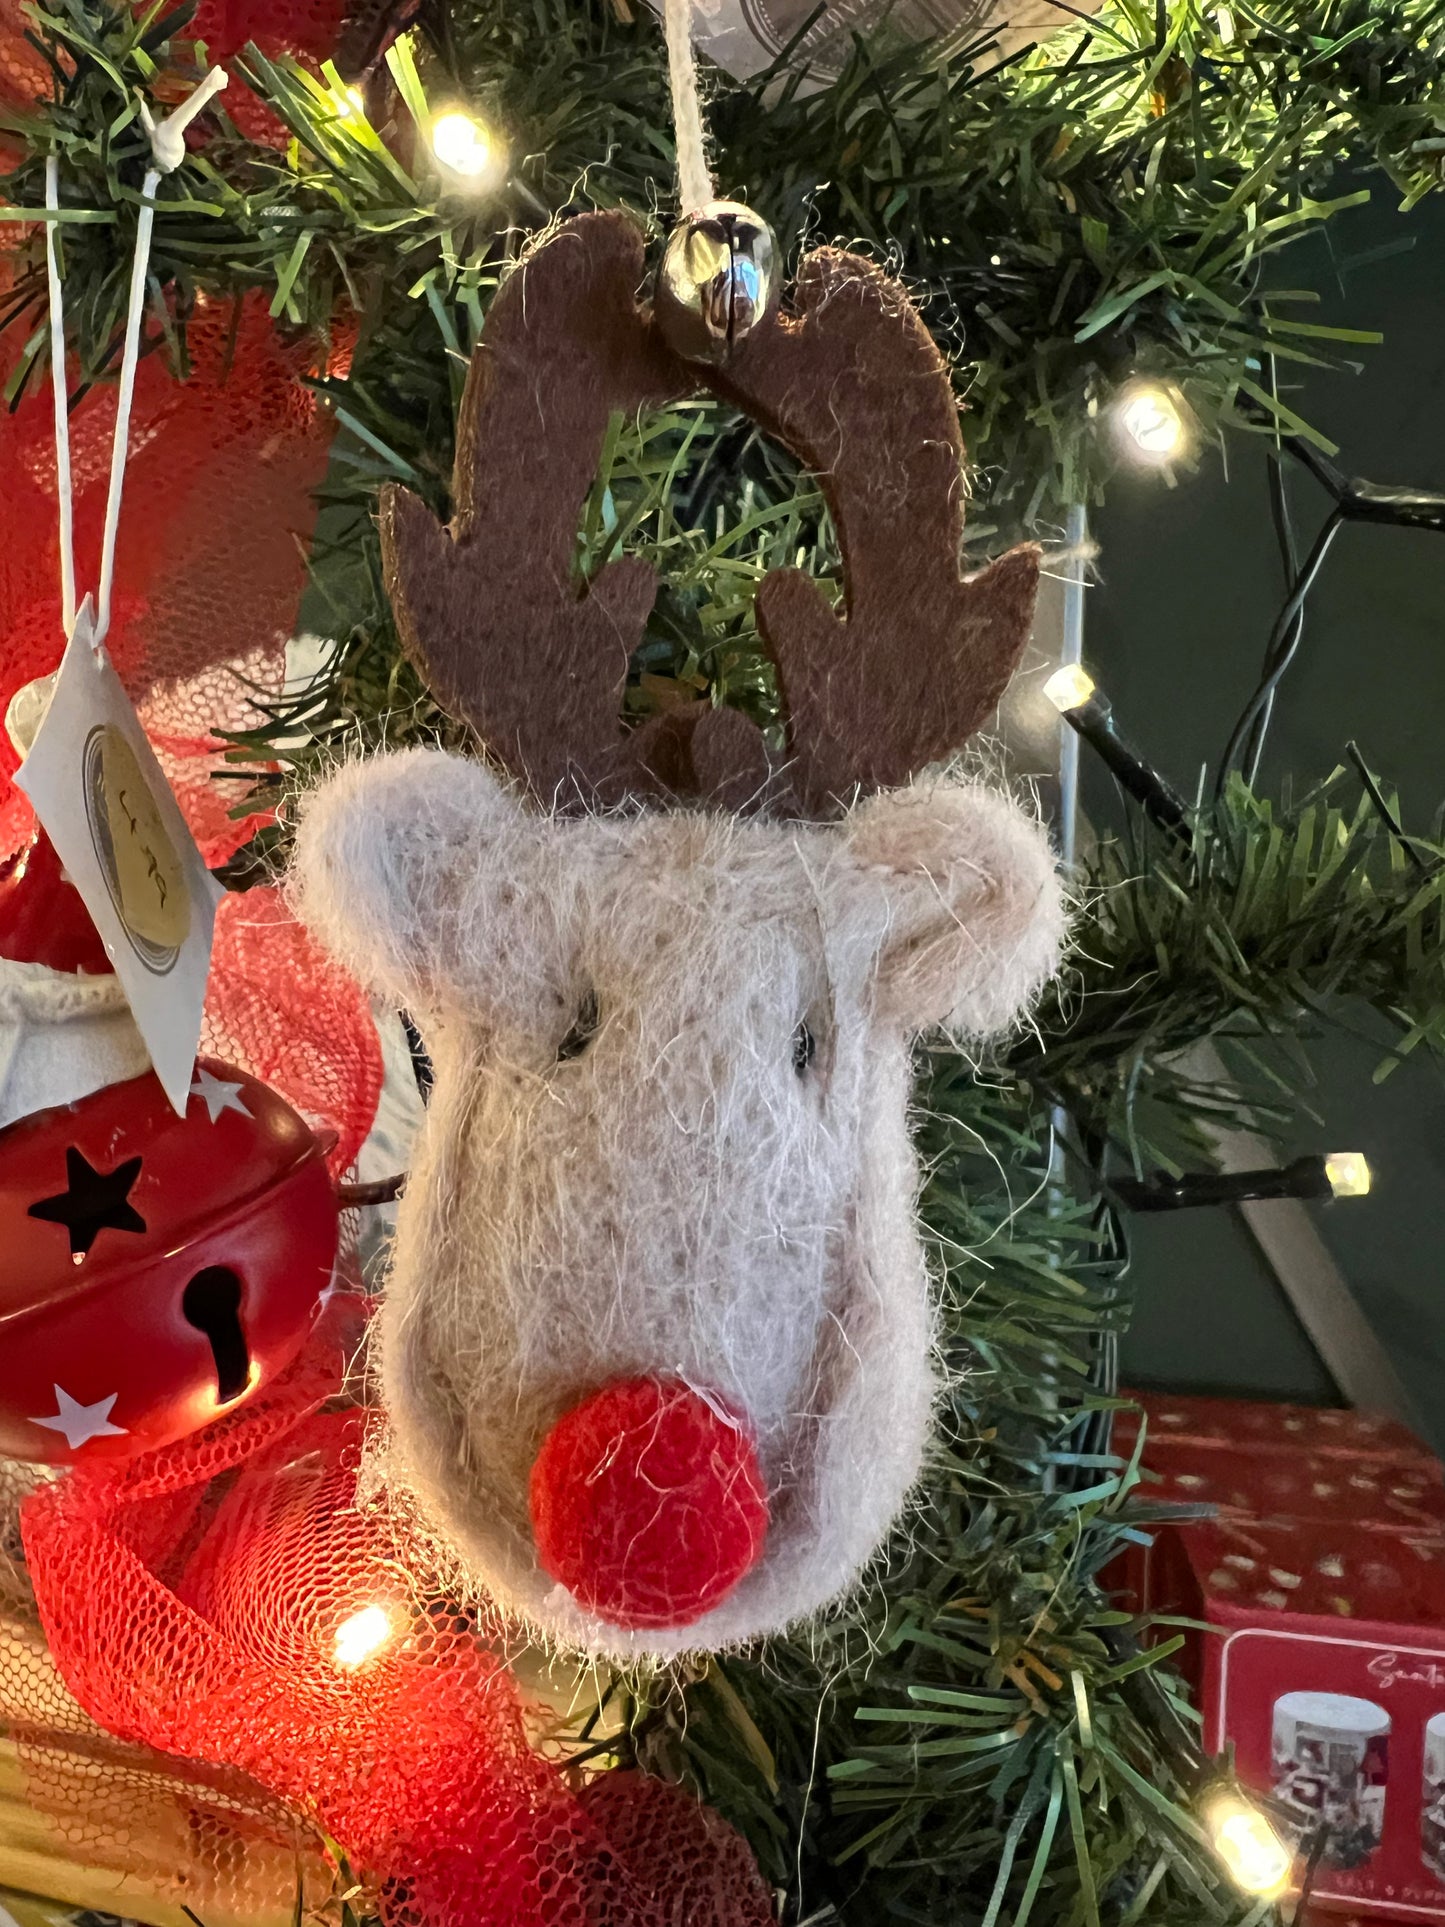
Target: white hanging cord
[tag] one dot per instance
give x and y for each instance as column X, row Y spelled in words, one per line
column 168, row 137
column 125, row 394
column 694, row 177
column 168, row 149
column 62, row 413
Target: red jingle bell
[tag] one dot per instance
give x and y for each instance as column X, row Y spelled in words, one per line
column 158, row 1269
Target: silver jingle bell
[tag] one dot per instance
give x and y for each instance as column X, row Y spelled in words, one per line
column 717, row 281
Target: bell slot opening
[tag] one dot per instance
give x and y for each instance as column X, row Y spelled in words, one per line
column 212, row 1303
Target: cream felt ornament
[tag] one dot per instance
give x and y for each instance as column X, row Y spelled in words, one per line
column 656, row 1346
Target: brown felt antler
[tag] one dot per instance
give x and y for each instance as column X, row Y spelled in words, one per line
column 919, row 657
column 489, row 609
column 495, row 618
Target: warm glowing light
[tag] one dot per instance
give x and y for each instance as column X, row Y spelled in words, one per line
column 1069, row 688
column 1151, row 421
column 1348, row 1173
column 461, row 144
column 362, row 1636
column 1254, row 1856
column 351, row 103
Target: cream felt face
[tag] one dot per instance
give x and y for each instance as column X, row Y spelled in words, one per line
column 668, row 1139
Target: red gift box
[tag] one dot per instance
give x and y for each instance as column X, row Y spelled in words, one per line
column 1327, row 1675
column 1324, row 1575
column 1381, row 1495
column 1237, row 1424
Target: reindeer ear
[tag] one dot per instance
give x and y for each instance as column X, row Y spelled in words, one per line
column 958, row 888
column 411, row 869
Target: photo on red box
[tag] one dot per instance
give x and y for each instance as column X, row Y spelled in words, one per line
column 1331, row 1764
column 1347, row 1733
column 1325, row 1671
column 1432, row 1798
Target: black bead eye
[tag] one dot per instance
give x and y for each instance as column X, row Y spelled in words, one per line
column 584, row 1029
column 805, row 1048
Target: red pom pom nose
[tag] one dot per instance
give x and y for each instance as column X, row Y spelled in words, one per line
column 647, row 1503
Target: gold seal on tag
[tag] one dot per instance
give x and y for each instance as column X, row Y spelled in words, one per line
column 142, row 866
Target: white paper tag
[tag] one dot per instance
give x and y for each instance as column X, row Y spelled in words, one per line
column 105, row 804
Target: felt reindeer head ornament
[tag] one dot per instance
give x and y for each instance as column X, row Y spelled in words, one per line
column 656, row 1344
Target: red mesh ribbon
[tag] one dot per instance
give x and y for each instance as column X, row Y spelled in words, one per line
column 192, row 1601
column 209, row 572
column 24, row 76
column 210, row 563
column 278, row 1007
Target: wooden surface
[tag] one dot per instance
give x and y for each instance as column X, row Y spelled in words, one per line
column 35, row 1860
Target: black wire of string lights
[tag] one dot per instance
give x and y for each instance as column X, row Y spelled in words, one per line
column 1283, row 522
column 1087, row 709
column 1352, row 499
column 1243, row 1829
column 1246, row 746
column 1280, row 516
column 1089, row 713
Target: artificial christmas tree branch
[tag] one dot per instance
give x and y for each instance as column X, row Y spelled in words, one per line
column 1076, row 217
column 973, row 1742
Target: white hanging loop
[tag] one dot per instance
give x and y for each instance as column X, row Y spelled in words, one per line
column 63, row 496
column 168, row 137
column 168, row 148
column 125, row 394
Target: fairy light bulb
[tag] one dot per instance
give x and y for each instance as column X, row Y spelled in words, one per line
column 1256, row 1859
column 1152, row 425
column 461, row 144
column 1348, row 1173
column 1069, row 688
column 361, row 1636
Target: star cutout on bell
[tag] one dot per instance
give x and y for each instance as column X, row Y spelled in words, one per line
column 81, row 1423
column 92, row 1201
column 216, row 1094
